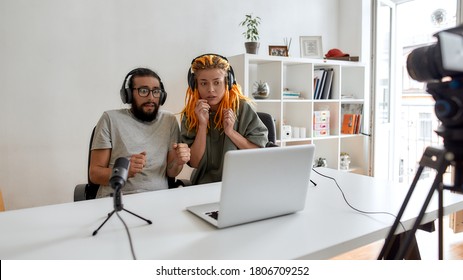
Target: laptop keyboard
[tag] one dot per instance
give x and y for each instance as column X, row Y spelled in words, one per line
column 213, row 214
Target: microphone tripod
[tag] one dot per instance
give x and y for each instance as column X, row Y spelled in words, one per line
column 118, row 206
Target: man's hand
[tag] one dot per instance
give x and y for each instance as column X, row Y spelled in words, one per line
column 137, row 163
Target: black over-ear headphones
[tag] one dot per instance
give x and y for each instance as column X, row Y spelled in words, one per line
column 126, row 90
column 230, row 74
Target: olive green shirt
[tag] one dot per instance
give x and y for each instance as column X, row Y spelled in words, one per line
column 210, row 167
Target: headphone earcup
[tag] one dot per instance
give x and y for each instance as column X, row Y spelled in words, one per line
column 191, row 79
column 231, row 78
column 126, row 95
column 163, row 97
column 126, row 92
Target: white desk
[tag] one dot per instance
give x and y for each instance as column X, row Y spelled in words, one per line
column 326, row 228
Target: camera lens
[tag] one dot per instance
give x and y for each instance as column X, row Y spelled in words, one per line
column 424, row 64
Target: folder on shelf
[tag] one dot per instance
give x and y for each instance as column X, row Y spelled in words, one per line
column 348, row 124
column 321, row 88
column 328, row 81
column 318, row 74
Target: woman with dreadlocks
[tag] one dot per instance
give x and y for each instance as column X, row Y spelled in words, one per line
column 217, row 117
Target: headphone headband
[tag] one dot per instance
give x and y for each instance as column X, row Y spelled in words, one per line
column 221, row 56
column 230, row 73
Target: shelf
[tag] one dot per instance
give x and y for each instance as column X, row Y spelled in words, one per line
column 297, row 75
column 265, row 100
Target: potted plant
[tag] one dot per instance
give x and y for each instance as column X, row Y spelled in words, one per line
column 251, row 34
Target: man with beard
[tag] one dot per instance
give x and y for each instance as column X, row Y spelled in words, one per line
column 143, row 133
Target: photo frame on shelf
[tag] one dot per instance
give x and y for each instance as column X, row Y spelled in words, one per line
column 278, row 50
column 311, row 46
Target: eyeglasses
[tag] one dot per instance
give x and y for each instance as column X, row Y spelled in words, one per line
column 145, row 91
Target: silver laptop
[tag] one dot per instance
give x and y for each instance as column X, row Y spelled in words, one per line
column 260, row 183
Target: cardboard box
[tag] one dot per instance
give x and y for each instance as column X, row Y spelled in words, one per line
column 320, row 133
column 321, row 126
column 456, row 221
column 324, row 114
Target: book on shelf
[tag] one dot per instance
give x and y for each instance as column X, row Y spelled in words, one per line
column 323, row 79
column 291, row 95
column 358, row 123
column 316, row 83
column 346, row 58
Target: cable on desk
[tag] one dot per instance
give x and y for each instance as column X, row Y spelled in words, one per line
column 128, row 234
column 347, row 202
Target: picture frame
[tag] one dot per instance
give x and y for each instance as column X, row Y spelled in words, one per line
column 278, row 50
column 311, row 46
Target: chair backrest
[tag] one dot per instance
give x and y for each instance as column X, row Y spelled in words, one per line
column 91, row 189
column 269, row 122
column 2, row 205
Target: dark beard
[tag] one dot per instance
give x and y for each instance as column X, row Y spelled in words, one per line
column 141, row 115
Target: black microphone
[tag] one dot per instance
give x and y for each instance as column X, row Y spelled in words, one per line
column 120, row 173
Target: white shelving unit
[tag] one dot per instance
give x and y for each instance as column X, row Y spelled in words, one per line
column 297, row 74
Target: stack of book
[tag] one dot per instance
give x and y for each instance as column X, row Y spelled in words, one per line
column 323, row 79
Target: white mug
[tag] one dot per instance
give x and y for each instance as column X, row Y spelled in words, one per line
column 302, row 132
column 296, row 132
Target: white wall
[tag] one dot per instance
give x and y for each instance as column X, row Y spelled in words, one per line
column 62, row 63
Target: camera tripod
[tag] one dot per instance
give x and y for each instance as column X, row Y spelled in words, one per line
column 448, row 97
column 434, row 158
column 118, row 206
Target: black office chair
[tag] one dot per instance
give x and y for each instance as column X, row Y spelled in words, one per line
column 89, row 190
column 269, row 122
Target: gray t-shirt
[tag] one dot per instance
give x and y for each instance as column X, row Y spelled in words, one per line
column 126, row 135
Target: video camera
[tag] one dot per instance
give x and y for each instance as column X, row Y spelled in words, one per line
column 441, row 66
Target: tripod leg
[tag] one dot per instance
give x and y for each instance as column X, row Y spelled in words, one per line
column 397, row 242
column 413, row 252
column 434, row 158
column 109, row 216
column 146, row 220
column 390, row 239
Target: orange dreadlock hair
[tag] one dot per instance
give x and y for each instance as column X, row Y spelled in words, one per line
column 231, row 98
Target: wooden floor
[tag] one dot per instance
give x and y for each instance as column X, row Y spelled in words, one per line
column 427, row 243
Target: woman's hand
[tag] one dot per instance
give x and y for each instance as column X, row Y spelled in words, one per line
column 229, row 118
column 202, row 111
